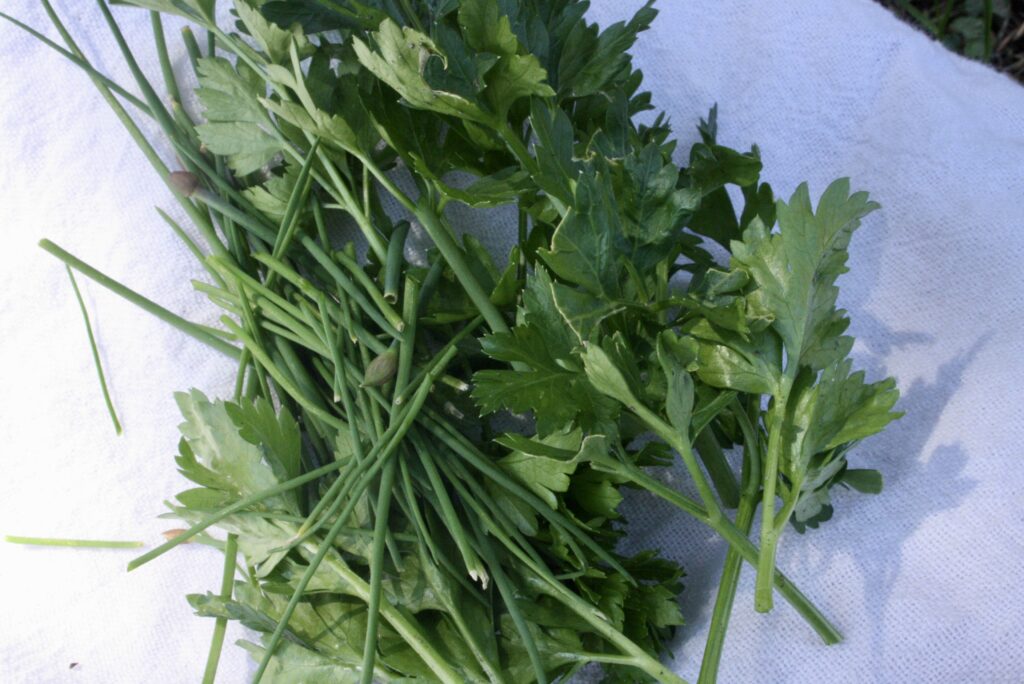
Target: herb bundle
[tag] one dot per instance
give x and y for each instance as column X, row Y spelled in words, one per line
column 393, row 521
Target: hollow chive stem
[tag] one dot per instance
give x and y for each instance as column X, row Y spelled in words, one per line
column 220, row 627
column 384, row 493
column 209, row 336
column 75, row 543
column 396, row 259
column 239, row 505
column 81, row 64
column 95, row 352
column 508, row 595
column 201, row 220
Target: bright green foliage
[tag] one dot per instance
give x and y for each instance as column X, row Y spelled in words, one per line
column 386, row 531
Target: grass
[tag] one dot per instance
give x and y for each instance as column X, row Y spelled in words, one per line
column 990, row 31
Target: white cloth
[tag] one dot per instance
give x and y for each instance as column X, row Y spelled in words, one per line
column 924, row 580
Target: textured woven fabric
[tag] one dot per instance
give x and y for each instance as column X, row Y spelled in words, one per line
column 924, row 580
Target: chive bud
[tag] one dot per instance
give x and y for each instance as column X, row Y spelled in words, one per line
column 381, row 369
column 183, row 183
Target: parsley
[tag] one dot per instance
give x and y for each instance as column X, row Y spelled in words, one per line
column 386, row 531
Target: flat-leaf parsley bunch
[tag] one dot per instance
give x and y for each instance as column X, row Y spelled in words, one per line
column 420, row 471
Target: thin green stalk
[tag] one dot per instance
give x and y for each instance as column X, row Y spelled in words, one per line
column 209, row 336
column 81, row 64
column 395, row 261
column 191, row 245
column 220, row 627
column 76, row 543
column 239, row 505
column 95, row 352
column 733, row 560
column 384, row 493
column 718, row 468
column 191, row 46
column 201, row 220
column 453, row 254
column 510, row 598
column 769, row 535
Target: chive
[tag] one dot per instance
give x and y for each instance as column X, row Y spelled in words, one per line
column 95, row 352
column 82, row 543
column 210, row 336
column 396, row 257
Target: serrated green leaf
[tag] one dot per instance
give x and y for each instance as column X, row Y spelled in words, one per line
column 796, row 268
column 583, row 247
column 276, row 431
column 247, row 146
column 398, row 58
column 486, row 28
column 214, row 439
column 272, row 39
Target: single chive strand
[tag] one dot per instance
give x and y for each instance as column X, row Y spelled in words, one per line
column 220, row 627
column 95, row 352
column 191, row 46
column 377, row 571
column 201, row 220
column 209, row 336
column 321, row 225
column 239, row 505
column 160, row 40
column 382, row 305
column 395, row 261
column 508, row 594
column 81, row 64
column 249, row 321
column 191, row 245
column 75, row 543
column 297, row 198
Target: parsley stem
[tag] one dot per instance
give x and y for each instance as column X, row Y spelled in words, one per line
column 828, row 633
column 82, row 543
column 769, row 535
column 210, row 336
column 95, row 352
column 751, row 484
